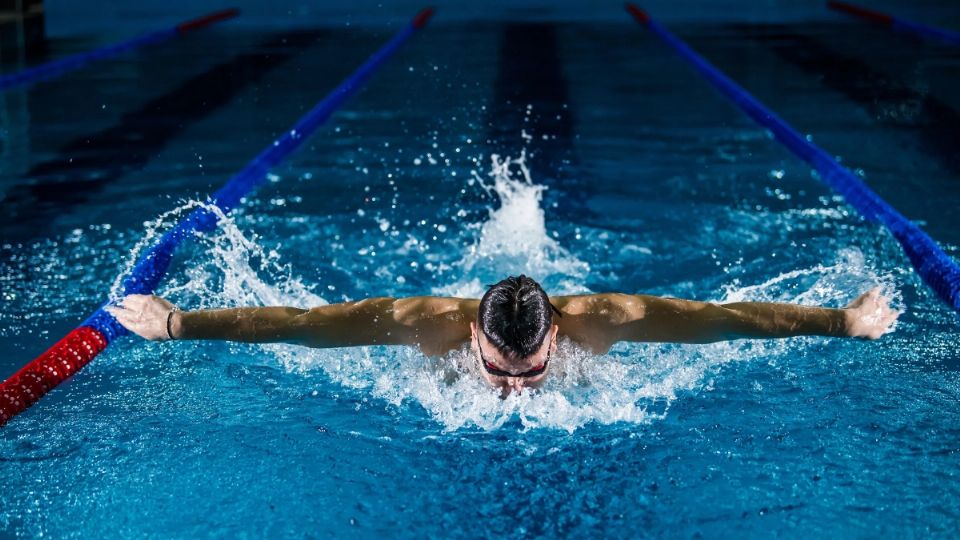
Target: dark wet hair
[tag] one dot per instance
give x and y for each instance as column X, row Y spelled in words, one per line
column 516, row 316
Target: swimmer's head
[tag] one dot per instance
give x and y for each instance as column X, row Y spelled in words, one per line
column 514, row 335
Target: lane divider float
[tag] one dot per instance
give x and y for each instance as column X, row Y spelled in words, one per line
column 918, row 29
column 933, row 265
column 92, row 337
column 56, row 68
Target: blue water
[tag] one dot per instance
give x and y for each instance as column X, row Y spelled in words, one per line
column 641, row 179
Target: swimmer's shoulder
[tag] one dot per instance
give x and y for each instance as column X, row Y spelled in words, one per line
column 592, row 321
column 611, row 307
column 437, row 308
column 437, row 324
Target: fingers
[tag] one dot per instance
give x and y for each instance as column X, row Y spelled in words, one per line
column 883, row 319
column 125, row 316
column 128, row 319
column 877, row 300
column 135, row 302
column 146, row 303
column 889, row 319
column 862, row 299
column 873, row 315
column 142, row 314
column 872, row 298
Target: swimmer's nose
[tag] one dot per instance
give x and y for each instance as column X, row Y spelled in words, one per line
column 516, row 384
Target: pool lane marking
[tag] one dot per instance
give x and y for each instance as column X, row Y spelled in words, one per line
column 918, row 29
column 530, row 72
column 84, row 343
column 936, row 268
column 83, row 166
column 56, row 68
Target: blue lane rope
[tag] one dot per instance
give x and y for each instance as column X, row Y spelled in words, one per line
column 946, row 36
column 949, row 37
column 94, row 335
column 934, row 266
column 56, row 68
column 152, row 266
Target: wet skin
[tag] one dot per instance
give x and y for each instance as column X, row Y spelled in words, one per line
column 438, row 325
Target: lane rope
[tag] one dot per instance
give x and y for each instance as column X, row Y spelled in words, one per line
column 950, row 37
column 56, row 68
column 933, row 265
column 92, row 337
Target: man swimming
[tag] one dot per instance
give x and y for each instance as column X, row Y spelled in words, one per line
column 512, row 329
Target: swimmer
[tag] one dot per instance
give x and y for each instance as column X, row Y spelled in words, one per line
column 512, row 330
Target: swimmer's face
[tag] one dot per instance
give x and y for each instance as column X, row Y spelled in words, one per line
column 485, row 352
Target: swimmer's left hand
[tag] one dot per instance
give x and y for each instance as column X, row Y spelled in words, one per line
column 144, row 315
column 870, row 315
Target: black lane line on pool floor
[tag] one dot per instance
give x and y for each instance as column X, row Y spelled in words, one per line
column 935, row 123
column 529, row 72
column 85, row 165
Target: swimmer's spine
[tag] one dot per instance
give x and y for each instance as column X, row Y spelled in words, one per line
column 84, row 343
column 922, row 30
column 936, row 268
column 56, row 68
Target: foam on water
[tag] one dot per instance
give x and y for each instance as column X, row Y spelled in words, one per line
column 634, row 383
column 514, row 238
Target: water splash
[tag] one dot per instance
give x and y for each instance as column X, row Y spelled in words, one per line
column 238, row 271
column 820, row 285
column 154, row 230
column 514, row 238
column 635, row 383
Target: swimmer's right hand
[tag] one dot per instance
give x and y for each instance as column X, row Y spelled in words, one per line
column 870, row 315
column 146, row 315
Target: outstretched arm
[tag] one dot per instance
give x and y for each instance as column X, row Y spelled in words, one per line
column 602, row 320
column 428, row 322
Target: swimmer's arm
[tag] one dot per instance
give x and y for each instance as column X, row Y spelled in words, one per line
column 686, row 321
column 425, row 322
column 651, row 318
column 430, row 323
column 365, row 322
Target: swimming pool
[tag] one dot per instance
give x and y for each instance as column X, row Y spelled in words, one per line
column 642, row 180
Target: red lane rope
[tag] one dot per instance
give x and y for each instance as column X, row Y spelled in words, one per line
column 421, row 19
column 207, row 20
column 51, row 368
column 868, row 14
column 638, row 14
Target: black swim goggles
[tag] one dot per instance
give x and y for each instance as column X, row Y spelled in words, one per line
column 497, row 372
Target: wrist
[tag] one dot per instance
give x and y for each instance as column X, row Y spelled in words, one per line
column 848, row 322
column 175, row 325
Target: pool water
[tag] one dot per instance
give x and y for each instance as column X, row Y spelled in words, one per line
column 582, row 154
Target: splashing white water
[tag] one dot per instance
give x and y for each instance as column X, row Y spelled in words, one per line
column 514, row 239
column 635, row 383
column 154, row 230
column 241, row 272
